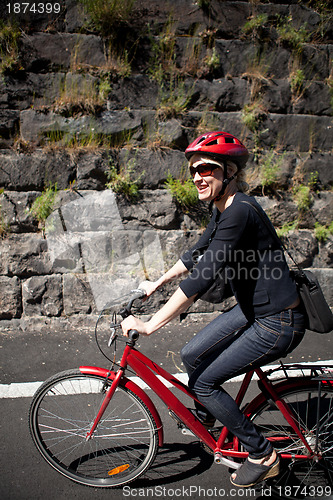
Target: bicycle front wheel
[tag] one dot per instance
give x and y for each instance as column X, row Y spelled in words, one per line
column 313, row 411
column 122, row 447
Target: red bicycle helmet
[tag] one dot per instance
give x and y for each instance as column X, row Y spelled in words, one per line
column 220, row 145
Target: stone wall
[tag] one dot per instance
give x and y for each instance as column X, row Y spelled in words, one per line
column 58, row 126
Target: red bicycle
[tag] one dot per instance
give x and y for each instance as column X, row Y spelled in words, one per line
column 99, row 428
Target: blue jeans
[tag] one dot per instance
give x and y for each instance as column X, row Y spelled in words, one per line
column 229, row 346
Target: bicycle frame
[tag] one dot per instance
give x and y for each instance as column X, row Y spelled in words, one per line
column 149, row 371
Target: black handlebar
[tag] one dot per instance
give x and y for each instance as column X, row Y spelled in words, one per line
column 133, row 335
column 126, row 311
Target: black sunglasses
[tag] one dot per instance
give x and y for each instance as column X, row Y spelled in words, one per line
column 204, row 169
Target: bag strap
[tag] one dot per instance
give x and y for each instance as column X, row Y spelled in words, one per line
column 270, row 228
column 217, row 220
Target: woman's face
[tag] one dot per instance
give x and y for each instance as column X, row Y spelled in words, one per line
column 208, row 186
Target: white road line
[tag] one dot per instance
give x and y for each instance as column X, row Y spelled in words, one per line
column 28, row 389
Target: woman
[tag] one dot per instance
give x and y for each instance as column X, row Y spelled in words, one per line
column 267, row 321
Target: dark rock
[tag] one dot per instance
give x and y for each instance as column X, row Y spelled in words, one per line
column 229, row 94
column 280, row 212
column 15, row 210
column 324, row 258
column 319, row 164
column 276, row 95
column 315, row 61
column 314, row 100
column 322, row 208
column 39, row 127
column 10, row 298
column 156, row 209
column 325, row 278
column 35, row 171
column 42, row 296
column 78, row 297
column 303, row 247
column 298, row 132
column 153, row 166
column 172, row 134
column 228, row 19
column 91, row 171
column 137, row 92
column 53, row 51
column 9, row 125
column 24, row 255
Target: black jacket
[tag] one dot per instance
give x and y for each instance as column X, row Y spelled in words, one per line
column 256, row 267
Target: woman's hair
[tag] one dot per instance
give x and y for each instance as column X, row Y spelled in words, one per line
column 241, row 183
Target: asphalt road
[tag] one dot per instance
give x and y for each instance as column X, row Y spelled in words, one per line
column 182, row 468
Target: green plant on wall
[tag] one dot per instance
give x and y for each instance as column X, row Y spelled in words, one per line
column 10, row 37
column 253, row 115
column 163, row 59
column 123, row 182
column 212, row 60
column 270, row 168
column 302, row 197
column 80, row 94
column 313, row 181
column 297, row 80
column 174, row 98
column 291, row 37
column 183, row 191
column 257, row 73
column 43, row 205
column 286, row 228
column 324, row 9
column 4, row 226
column 322, row 233
column 254, row 28
column 108, row 16
column 117, row 63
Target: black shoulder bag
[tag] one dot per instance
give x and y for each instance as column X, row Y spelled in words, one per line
column 319, row 317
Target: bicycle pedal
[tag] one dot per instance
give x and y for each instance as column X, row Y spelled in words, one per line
column 187, row 432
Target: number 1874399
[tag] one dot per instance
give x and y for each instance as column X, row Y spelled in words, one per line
column 33, row 8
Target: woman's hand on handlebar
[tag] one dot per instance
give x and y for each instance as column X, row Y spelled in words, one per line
column 133, row 323
column 149, row 287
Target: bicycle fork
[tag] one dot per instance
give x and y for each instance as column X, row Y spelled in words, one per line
column 110, row 392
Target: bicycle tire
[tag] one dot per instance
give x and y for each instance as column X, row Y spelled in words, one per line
column 122, row 447
column 300, row 478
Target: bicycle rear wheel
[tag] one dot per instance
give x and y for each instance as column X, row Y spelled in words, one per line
column 122, row 447
column 308, row 478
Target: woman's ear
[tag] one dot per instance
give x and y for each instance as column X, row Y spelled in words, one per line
column 231, row 169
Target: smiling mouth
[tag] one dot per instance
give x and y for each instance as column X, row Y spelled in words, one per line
column 201, row 189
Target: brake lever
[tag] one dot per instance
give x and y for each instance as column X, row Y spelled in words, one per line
column 112, row 337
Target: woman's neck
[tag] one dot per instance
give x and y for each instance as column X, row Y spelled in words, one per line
column 226, row 199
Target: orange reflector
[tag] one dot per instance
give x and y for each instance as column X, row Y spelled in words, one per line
column 117, row 470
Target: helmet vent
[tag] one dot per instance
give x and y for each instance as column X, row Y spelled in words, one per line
column 229, row 140
column 212, row 143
